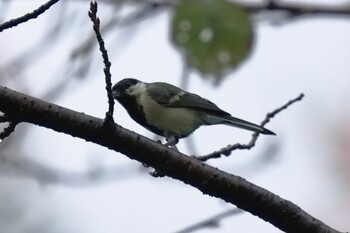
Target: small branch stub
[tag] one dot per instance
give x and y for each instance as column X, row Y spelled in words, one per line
column 8, row 129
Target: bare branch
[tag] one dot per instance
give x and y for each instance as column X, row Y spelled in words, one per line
column 297, row 9
column 13, row 166
column 281, row 213
column 96, row 26
column 14, row 22
column 212, row 221
column 228, row 149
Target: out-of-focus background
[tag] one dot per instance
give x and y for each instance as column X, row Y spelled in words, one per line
column 51, row 182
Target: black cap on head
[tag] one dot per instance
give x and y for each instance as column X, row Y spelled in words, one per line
column 124, row 84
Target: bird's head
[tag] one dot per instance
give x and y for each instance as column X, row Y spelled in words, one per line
column 125, row 88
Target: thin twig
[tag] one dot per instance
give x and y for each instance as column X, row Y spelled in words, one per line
column 212, row 221
column 96, row 26
column 26, row 166
column 14, row 22
column 297, row 9
column 228, row 149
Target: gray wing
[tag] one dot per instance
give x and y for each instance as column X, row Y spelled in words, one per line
column 172, row 96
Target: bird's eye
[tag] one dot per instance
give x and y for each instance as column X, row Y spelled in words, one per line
column 125, row 86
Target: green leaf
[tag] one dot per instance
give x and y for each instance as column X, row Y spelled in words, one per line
column 213, row 35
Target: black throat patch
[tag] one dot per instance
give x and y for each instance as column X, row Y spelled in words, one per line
column 137, row 114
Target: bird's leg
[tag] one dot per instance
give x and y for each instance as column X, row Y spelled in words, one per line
column 171, row 142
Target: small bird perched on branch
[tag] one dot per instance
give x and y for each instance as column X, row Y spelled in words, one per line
column 171, row 112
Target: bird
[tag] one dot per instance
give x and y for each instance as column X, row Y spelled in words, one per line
column 172, row 112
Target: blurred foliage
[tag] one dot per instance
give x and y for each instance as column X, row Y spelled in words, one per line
column 214, row 35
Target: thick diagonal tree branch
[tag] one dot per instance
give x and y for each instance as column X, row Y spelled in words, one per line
column 245, row 195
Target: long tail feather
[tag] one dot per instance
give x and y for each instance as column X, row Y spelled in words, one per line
column 236, row 122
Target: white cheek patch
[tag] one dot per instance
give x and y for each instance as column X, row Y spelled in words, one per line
column 137, row 90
